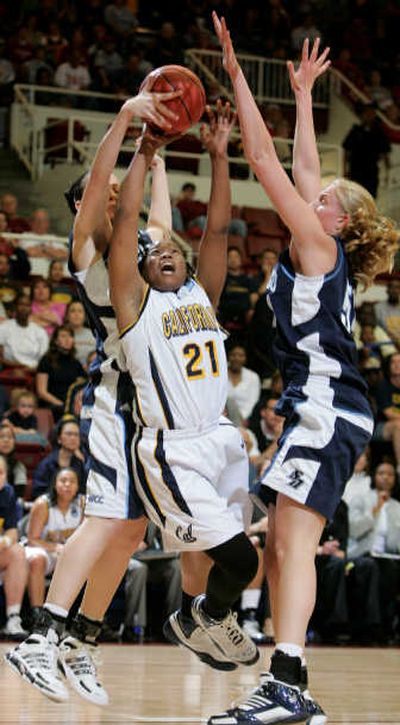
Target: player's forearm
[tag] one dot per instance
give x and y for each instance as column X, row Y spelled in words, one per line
column 306, row 164
column 109, row 147
column 160, row 214
column 257, row 142
column 219, row 206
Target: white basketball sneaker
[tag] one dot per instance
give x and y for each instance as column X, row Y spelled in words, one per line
column 35, row 660
column 232, row 641
column 78, row 665
column 185, row 631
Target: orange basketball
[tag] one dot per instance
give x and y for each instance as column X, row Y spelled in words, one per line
column 189, row 107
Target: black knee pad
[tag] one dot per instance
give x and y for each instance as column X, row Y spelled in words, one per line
column 238, row 556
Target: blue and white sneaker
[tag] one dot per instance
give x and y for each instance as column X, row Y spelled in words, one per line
column 271, row 702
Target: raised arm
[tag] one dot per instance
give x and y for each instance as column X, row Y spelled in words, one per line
column 306, row 165
column 212, row 262
column 160, row 215
column 92, row 228
column 315, row 249
column 126, row 284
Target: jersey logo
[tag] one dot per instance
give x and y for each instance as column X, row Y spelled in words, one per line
column 296, row 479
column 186, row 536
column 94, row 498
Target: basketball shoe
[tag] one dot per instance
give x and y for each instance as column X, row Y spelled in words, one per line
column 77, row 663
column 179, row 629
column 35, row 660
column 230, row 639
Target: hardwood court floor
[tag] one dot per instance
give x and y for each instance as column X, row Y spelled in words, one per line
column 165, row 684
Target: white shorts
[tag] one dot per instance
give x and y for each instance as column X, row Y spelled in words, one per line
column 106, row 423
column 51, row 558
column 194, row 486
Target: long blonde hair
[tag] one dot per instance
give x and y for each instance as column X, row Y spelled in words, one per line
column 371, row 239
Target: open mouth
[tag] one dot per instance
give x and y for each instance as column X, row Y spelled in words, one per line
column 168, row 268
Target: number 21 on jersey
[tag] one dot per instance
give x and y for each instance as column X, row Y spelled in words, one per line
column 200, row 358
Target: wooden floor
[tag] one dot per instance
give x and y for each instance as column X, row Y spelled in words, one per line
column 164, row 684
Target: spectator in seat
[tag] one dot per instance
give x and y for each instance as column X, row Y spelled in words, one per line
column 16, row 470
column 130, row 77
column 267, row 426
column 243, row 384
column 13, row 565
column 65, row 454
column 120, row 18
column 14, row 269
column 57, row 370
column 61, row 292
column 53, row 518
column 371, row 337
column 7, row 75
column 22, row 342
column 260, row 331
column 22, row 417
column 388, row 312
column 379, row 94
column 194, row 213
column 235, row 307
column 44, row 311
column 73, row 75
column 388, row 408
column 360, row 482
column 375, row 531
column 9, row 204
column 365, row 145
column 40, row 227
column 84, row 340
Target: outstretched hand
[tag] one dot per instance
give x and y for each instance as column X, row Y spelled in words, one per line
column 310, row 68
column 152, row 107
column 229, row 59
column 215, row 134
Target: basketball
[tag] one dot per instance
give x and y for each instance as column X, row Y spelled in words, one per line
column 189, row 107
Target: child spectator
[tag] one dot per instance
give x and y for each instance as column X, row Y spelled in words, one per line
column 23, row 419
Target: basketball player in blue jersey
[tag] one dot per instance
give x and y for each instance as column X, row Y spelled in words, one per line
column 338, row 239
column 114, row 524
column 188, row 463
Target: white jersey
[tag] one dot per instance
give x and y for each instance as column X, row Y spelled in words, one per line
column 175, row 355
column 59, row 526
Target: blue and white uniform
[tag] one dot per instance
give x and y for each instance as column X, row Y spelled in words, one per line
column 190, row 463
column 328, row 418
column 106, row 418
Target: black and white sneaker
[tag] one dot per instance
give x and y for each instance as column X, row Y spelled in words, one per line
column 35, row 660
column 271, row 702
column 77, row 663
column 226, row 634
column 182, row 630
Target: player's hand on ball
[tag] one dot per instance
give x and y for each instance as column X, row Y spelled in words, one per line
column 151, row 107
column 310, row 68
column 229, row 60
column 215, row 135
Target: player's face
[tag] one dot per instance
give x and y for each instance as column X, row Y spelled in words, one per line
column 329, row 211
column 165, row 266
column 113, row 196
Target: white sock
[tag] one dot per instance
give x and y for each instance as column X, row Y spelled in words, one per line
column 13, row 610
column 56, row 610
column 250, row 598
column 293, row 650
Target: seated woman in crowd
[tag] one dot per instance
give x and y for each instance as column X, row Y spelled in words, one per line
column 44, row 311
column 53, row 518
column 61, row 292
column 65, row 454
column 17, row 474
column 374, row 519
column 84, row 340
column 13, row 568
column 57, row 370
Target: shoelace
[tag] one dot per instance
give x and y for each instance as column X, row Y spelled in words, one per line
column 45, row 658
column 84, row 662
column 230, row 626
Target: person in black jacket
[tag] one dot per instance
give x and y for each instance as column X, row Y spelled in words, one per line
column 66, row 454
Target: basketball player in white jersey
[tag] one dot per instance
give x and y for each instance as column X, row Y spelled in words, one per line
column 100, row 550
column 185, row 458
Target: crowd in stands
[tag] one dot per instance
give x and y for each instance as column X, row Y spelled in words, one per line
column 45, row 352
